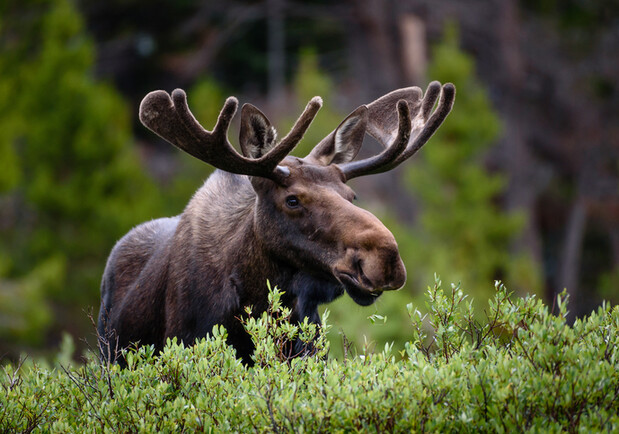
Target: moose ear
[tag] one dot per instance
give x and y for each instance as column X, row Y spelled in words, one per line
column 257, row 136
column 343, row 144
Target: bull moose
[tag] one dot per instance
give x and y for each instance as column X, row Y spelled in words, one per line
column 263, row 215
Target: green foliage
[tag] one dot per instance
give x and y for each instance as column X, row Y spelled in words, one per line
column 274, row 331
column 522, row 368
column 207, row 99
column 608, row 283
column 24, row 311
column 72, row 183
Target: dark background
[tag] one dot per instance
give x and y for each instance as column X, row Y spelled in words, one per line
column 521, row 183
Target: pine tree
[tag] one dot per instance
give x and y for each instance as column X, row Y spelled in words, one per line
column 462, row 232
column 70, row 181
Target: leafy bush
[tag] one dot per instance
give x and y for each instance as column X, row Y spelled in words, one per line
column 523, row 368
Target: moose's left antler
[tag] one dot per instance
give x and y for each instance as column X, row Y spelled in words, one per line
column 169, row 116
column 405, row 130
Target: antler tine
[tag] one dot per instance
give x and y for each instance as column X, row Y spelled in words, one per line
column 432, row 93
column 445, row 104
column 375, row 164
column 171, row 119
column 422, row 124
column 288, row 143
column 211, row 147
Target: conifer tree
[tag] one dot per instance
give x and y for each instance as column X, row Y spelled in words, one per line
column 462, row 233
column 70, row 181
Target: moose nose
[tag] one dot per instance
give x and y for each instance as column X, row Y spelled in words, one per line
column 388, row 272
column 377, row 269
column 398, row 280
column 371, row 259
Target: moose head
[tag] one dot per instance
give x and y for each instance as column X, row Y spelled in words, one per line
column 263, row 215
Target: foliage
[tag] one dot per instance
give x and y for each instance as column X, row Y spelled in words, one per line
column 609, row 282
column 273, row 330
column 71, row 182
column 522, row 368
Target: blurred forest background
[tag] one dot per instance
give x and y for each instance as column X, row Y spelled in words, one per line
column 521, row 183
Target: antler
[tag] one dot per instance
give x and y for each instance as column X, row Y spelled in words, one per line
column 171, row 119
column 402, row 135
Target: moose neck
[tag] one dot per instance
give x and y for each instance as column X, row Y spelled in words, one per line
column 218, row 224
column 228, row 261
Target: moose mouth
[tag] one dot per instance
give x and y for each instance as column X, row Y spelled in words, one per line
column 359, row 293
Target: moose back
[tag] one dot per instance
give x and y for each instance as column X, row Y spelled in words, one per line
column 262, row 215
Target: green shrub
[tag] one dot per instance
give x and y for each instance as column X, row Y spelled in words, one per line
column 523, row 368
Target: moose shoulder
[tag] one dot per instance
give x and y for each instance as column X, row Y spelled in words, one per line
column 262, row 215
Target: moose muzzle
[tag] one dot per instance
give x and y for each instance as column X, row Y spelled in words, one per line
column 371, row 262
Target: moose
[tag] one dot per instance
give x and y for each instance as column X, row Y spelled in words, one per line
column 263, row 215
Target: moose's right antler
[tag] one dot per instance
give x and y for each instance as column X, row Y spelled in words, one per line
column 403, row 131
column 171, row 119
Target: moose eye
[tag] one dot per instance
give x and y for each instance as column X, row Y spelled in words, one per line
column 292, row 202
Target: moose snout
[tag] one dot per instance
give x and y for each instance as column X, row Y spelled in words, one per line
column 384, row 269
column 373, row 270
column 369, row 261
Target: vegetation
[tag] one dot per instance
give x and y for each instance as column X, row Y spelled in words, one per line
column 522, row 368
column 75, row 183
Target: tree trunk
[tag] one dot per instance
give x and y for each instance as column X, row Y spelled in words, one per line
column 571, row 255
column 414, row 56
column 276, row 50
column 377, row 34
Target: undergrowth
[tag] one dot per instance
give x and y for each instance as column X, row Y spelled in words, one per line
column 522, row 368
